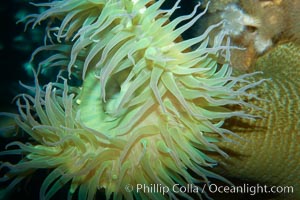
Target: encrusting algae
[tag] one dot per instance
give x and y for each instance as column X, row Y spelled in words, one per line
column 270, row 152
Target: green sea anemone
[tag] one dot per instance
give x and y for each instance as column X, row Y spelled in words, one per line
column 148, row 110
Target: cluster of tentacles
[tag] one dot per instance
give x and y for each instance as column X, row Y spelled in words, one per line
column 146, row 106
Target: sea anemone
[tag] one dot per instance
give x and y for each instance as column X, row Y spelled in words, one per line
column 146, row 111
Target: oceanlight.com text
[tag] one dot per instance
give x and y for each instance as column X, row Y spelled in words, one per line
column 210, row 188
